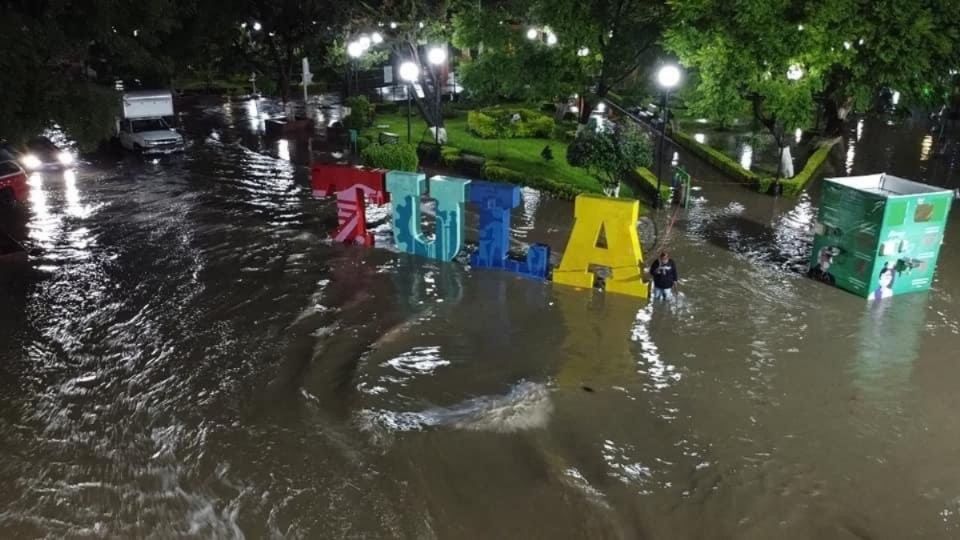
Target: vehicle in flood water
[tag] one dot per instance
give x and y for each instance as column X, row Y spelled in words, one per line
column 144, row 128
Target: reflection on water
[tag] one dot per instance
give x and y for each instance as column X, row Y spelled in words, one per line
column 197, row 359
column 925, row 147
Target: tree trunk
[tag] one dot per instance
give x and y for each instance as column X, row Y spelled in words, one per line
column 836, row 114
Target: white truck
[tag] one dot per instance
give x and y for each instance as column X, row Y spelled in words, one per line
column 143, row 128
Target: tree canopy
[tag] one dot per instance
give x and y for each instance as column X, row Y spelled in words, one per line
column 840, row 53
column 589, row 47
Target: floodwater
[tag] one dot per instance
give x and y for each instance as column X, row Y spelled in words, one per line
column 188, row 356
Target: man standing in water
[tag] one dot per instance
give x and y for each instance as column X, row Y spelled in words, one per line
column 664, row 272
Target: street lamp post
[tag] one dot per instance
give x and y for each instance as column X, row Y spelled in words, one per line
column 437, row 56
column 410, row 72
column 668, row 77
column 354, row 51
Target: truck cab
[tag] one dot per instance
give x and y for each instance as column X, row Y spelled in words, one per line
column 143, row 127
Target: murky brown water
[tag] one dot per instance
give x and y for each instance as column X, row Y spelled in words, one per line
column 187, row 356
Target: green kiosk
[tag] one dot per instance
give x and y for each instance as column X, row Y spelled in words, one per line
column 879, row 236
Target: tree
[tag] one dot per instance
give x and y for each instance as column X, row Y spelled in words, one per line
column 741, row 48
column 52, row 64
column 866, row 47
column 588, row 47
column 413, row 24
column 610, row 153
column 846, row 52
column 506, row 65
column 274, row 35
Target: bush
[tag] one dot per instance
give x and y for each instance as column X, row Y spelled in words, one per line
column 449, row 155
column 485, row 123
column 397, row 157
column 548, row 108
column 494, row 170
column 539, row 128
column 547, row 153
column 361, row 113
column 481, row 125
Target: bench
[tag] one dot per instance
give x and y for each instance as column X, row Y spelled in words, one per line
column 388, row 138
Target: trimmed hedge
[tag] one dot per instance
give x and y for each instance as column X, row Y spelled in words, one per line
column 647, row 183
column 399, row 157
column 484, row 123
column 494, row 170
column 791, row 186
column 449, row 156
column 718, row 159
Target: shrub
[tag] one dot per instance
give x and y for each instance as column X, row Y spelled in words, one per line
column 497, row 122
column 361, row 113
column 397, row 157
column 549, row 108
column 540, row 127
column 547, row 153
column 481, row 125
column 449, row 155
column 494, row 170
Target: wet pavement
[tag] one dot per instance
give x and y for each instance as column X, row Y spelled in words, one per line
column 187, row 355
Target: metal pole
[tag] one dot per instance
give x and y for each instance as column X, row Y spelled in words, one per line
column 663, row 135
column 408, row 114
column 436, row 122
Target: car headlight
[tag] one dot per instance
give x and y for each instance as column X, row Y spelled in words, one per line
column 32, row 162
column 65, row 158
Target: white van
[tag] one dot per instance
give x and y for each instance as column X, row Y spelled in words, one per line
column 143, row 128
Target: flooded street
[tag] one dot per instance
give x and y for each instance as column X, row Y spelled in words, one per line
column 187, row 355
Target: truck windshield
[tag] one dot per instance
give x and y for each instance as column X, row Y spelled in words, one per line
column 155, row 124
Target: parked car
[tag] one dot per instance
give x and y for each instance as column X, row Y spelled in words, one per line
column 13, row 182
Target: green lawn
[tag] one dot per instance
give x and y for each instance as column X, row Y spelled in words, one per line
column 521, row 155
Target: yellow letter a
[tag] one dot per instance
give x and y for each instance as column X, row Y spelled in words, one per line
column 618, row 218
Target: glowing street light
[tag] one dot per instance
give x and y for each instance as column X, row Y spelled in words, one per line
column 583, row 51
column 532, row 34
column 410, row 72
column 364, row 41
column 257, row 26
column 437, row 55
column 668, row 77
column 376, row 37
column 551, row 39
column 355, row 49
column 795, row 73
